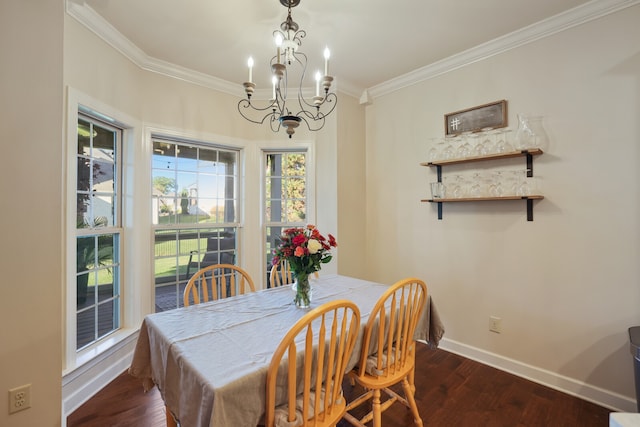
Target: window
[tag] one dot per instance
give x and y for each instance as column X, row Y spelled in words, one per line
column 98, row 230
column 195, row 205
column 285, row 183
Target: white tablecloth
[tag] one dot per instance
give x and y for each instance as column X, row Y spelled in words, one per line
column 210, row 360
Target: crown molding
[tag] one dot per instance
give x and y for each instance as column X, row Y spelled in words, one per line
column 579, row 15
column 594, row 9
column 88, row 17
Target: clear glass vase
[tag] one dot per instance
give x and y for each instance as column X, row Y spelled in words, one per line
column 531, row 133
column 304, row 293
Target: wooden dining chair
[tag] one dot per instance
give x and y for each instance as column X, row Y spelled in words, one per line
column 215, row 282
column 281, row 274
column 309, row 382
column 388, row 351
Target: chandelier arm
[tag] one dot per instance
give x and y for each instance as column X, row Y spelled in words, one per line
column 246, row 105
column 313, row 123
column 301, row 58
column 316, row 121
column 298, row 36
column 331, row 100
column 274, row 123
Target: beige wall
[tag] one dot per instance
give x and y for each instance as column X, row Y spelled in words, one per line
column 31, row 107
column 567, row 285
column 351, row 189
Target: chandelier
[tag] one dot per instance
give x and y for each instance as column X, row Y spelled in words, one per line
column 289, row 64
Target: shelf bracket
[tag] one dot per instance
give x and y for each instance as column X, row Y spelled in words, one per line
column 439, row 172
column 529, row 165
column 529, row 209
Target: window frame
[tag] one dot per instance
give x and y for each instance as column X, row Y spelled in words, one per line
column 132, row 300
column 178, row 226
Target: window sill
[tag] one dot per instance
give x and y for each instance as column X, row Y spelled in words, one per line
column 100, row 351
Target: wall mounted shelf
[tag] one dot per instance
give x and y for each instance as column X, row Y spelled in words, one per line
column 511, row 154
column 527, row 154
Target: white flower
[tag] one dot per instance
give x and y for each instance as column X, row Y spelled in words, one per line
column 314, row 246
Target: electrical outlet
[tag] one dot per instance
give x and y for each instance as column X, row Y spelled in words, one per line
column 495, row 324
column 19, row 398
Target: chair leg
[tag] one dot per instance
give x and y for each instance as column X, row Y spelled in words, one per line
column 412, row 402
column 171, row 422
column 377, row 412
column 412, row 376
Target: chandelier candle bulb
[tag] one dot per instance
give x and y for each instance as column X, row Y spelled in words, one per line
column 250, row 64
column 326, row 61
column 278, row 44
column 318, row 77
column 274, row 80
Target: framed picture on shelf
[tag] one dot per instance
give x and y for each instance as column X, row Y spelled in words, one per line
column 492, row 115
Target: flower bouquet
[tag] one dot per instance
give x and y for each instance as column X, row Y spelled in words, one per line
column 305, row 249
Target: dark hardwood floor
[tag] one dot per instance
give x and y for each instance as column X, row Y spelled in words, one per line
column 450, row 391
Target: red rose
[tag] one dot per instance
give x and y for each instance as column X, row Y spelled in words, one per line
column 299, row 240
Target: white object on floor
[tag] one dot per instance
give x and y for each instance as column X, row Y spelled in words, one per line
column 624, row 419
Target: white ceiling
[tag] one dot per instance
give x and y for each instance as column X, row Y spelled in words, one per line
column 371, row 41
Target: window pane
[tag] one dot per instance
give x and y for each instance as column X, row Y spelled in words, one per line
column 82, row 210
column 103, row 210
column 85, row 130
column 85, row 253
column 208, row 184
column 104, row 143
column 164, row 193
column 103, row 171
column 163, row 155
column 84, row 174
column 294, row 164
column 108, row 319
column 106, row 288
column 208, row 161
column 273, row 234
column 85, row 328
column 230, row 162
column 186, row 158
column 295, row 211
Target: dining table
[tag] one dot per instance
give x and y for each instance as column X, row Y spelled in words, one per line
column 210, row 360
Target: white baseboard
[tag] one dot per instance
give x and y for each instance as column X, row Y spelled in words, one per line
column 599, row 396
